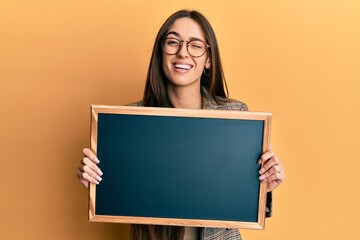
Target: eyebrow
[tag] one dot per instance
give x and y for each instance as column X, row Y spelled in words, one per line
column 178, row 35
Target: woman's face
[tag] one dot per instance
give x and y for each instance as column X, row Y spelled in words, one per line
column 182, row 69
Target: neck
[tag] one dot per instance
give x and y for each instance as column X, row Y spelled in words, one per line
column 183, row 97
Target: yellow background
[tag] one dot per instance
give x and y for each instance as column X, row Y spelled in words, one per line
column 297, row 59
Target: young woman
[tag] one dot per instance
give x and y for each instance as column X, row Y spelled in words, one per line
column 185, row 72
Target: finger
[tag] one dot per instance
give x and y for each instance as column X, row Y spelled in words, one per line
column 81, row 179
column 90, row 172
column 271, row 171
column 269, row 164
column 266, row 156
column 85, row 176
column 278, row 177
column 87, row 162
column 89, row 154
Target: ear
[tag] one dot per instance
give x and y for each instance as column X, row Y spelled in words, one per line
column 207, row 63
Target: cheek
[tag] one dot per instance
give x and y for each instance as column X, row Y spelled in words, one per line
column 200, row 64
column 203, row 61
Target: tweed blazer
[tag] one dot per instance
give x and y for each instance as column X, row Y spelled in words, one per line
column 208, row 102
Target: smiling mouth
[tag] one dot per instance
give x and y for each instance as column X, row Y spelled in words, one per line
column 182, row 66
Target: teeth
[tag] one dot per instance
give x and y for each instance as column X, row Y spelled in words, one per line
column 182, row 66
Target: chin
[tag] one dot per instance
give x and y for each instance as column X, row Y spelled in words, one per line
column 183, row 82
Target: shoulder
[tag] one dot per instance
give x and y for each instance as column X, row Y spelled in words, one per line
column 233, row 104
column 224, row 104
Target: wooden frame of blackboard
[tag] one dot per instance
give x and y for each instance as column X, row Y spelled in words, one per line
column 164, row 113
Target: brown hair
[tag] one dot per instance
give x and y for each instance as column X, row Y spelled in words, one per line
column 153, row 232
column 155, row 94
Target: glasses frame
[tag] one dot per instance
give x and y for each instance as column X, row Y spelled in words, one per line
column 187, row 46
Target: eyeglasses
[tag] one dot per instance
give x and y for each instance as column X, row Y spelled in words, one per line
column 196, row 48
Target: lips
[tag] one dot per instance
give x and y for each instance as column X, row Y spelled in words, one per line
column 182, row 66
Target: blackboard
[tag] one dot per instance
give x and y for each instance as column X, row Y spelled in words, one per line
column 179, row 167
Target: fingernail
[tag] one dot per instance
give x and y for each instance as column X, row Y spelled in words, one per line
column 96, row 182
column 99, row 171
column 261, row 171
column 98, row 178
column 263, row 180
column 261, row 177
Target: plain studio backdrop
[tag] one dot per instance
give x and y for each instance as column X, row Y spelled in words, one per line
column 296, row 59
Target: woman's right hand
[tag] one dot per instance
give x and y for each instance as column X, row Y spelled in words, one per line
column 88, row 171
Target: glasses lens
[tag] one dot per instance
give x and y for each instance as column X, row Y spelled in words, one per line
column 171, row 45
column 196, row 48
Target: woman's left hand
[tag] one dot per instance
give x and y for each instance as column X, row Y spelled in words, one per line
column 272, row 171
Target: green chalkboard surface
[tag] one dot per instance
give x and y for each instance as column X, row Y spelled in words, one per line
column 165, row 166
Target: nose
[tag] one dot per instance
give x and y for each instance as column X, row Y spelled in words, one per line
column 183, row 52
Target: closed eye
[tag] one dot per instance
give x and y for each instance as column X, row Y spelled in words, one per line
column 196, row 44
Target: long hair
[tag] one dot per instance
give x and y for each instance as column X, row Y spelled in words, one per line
column 155, row 93
column 153, row 232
